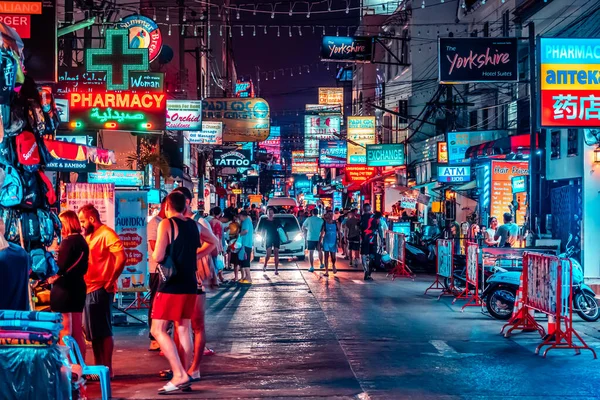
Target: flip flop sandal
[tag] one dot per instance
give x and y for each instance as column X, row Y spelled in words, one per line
column 168, row 388
column 166, row 374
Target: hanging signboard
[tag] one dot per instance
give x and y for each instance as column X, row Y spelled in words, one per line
column 454, row 174
column 323, row 109
column 464, row 60
column 318, row 128
column 385, row 155
column 101, row 196
column 184, row 115
column 569, row 82
column 442, row 153
column 232, row 158
column 358, row 173
column 143, row 34
column 131, row 225
column 519, row 184
column 457, row 145
column 304, row 165
column 118, row 177
column 361, row 132
column 332, row 153
column 357, row 49
column 85, row 139
column 501, row 194
column 332, row 96
column 273, row 143
column 243, row 120
column 35, row 23
column 244, row 89
column 211, row 133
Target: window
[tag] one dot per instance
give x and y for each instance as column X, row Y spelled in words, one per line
column 473, row 119
column 572, row 143
column 485, row 119
column 555, row 145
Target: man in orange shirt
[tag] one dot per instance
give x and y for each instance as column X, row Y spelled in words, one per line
column 106, row 262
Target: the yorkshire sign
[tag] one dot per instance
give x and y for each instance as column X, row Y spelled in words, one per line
column 463, row 60
column 347, row 49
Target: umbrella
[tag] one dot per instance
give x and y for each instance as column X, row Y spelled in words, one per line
column 9, row 38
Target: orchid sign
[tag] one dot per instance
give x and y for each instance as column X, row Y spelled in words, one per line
column 463, row 60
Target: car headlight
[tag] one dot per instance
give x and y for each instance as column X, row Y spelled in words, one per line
column 258, row 237
column 298, row 237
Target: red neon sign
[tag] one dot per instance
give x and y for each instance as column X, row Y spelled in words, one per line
column 131, row 101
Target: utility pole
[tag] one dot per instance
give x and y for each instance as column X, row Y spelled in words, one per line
column 534, row 181
column 182, row 33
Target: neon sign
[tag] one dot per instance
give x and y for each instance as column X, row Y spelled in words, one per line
column 117, row 59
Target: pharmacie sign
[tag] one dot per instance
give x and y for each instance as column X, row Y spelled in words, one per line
column 454, row 174
column 347, row 49
column 463, row 60
column 231, row 158
column 385, row 155
column 184, row 115
column 569, row 82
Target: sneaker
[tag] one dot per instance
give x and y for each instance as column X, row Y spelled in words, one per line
column 154, row 346
column 368, row 277
column 325, row 274
column 334, row 270
column 311, row 269
column 276, row 272
column 322, row 266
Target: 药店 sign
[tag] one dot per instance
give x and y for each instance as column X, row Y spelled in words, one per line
column 332, row 153
column 232, row 158
column 211, row 133
column 385, row 155
column 244, row 120
column 454, row 174
column 569, row 82
column 318, row 128
column 118, row 177
column 347, row 49
column 184, row 115
column 361, row 132
column 463, row 60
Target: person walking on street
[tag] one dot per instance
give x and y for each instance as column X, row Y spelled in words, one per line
column 106, row 263
column 245, row 252
column 152, row 231
column 68, row 285
column 272, row 240
column 368, row 247
column 329, row 237
column 217, row 229
column 353, row 233
column 312, row 227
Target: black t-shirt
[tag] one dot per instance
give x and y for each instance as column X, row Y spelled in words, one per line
column 185, row 246
column 270, row 229
column 68, row 292
column 364, row 222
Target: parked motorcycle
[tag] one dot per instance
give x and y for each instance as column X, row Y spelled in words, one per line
column 500, row 293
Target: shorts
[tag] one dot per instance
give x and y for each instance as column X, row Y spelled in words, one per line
column 330, row 247
column 97, row 321
column 173, row 307
column 354, row 244
column 246, row 262
column 312, row 245
column 272, row 242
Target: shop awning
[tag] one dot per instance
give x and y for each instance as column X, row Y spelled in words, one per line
column 78, row 152
column 467, row 186
column 505, row 145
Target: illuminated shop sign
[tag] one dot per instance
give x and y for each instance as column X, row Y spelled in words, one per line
column 457, row 146
column 385, row 155
column 211, row 133
column 519, row 184
column 332, row 153
column 454, row 174
column 184, row 115
column 118, row 177
column 304, row 165
column 463, row 60
column 243, row 120
column 570, row 82
column 143, row 34
column 347, row 49
column 244, row 89
column 84, row 139
column 361, row 132
column 500, row 191
column 442, row 153
column 358, row 173
column 332, row 96
column 232, row 158
column 318, row 128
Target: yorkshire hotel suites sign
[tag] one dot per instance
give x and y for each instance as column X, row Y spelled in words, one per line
column 570, row 82
column 478, row 60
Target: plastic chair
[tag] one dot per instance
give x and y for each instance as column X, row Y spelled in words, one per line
column 100, row 370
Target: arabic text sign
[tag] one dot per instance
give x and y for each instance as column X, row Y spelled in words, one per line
column 454, row 174
column 118, row 177
column 570, row 82
column 361, row 132
column 458, row 143
column 244, row 120
column 319, row 128
column 211, row 133
column 101, row 196
column 347, row 49
column 478, row 60
column 131, row 226
column 385, row 155
column 184, row 115
column 332, row 153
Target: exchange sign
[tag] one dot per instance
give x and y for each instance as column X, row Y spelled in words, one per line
column 361, row 132
column 570, row 82
column 385, row 155
column 244, row 120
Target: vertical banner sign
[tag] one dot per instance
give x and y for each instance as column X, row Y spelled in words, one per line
column 458, row 144
column 100, row 195
column 337, row 200
column 442, row 153
column 570, row 82
column 131, row 226
column 361, row 132
column 501, row 194
column 319, row 128
column 332, row 96
column 463, row 60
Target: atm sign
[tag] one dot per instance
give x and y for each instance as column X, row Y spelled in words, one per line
column 454, row 174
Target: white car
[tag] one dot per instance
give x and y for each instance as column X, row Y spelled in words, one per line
column 293, row 248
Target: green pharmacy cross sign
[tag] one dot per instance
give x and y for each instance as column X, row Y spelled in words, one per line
column 117, row 59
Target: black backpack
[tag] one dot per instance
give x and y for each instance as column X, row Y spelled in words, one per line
column 30, row 228
column 32, row 193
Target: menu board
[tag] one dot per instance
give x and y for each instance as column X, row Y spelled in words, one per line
column 501, row 188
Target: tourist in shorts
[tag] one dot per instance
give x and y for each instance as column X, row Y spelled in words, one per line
column 329, row 238
column 312, row 228
column 272, row 241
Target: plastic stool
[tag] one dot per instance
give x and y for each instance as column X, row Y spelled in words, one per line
column 100, row 370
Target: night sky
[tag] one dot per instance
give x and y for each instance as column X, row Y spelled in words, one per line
column 286, row 94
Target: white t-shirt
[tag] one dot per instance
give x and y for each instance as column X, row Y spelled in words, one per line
column 152, row 233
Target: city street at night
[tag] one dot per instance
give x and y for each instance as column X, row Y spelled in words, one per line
column 298, row 335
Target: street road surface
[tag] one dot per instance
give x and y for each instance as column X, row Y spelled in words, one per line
column 298, row 335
